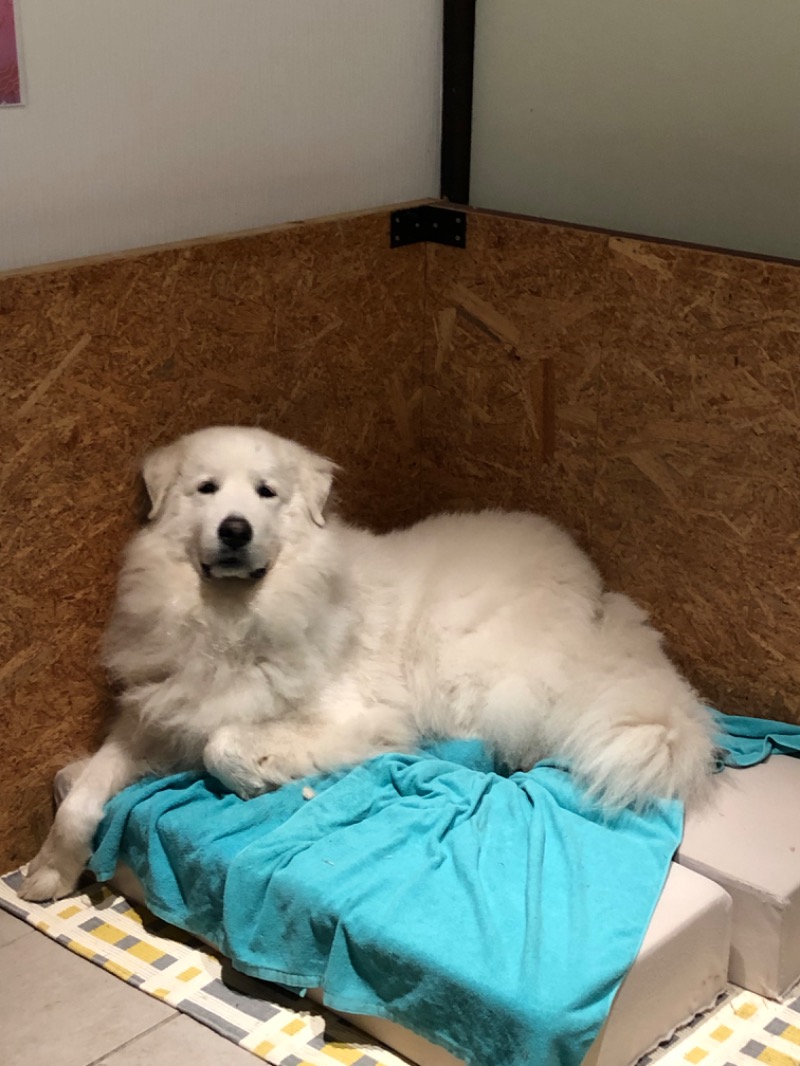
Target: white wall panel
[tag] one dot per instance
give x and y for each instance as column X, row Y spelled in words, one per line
column 671, row 118
column 157, row 120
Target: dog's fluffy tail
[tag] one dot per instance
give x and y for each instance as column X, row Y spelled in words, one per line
column 634, row 728
column 628, row 753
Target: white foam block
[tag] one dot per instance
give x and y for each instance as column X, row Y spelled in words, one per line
column 680, row 970
column 748, row 841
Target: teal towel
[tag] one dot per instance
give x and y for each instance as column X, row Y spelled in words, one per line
column 748, row 741
column 495, row 915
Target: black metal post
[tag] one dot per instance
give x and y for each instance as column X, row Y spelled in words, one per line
column 457, row 74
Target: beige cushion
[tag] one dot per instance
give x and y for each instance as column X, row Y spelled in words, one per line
column 748, row 841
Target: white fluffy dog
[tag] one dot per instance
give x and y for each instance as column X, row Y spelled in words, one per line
column 261, row 640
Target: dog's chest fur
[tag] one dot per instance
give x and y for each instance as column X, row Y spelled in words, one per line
column 192, row 655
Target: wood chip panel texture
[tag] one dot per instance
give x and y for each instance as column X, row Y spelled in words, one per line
column 645, row 395
column 642, row 394
column 314, row 331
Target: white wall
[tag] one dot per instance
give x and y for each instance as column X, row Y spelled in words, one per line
column 673, row 118
column 157, row 120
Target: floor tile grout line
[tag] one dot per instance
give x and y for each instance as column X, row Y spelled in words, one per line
column 10, row 943
column 132, row 1040
column 26, row 929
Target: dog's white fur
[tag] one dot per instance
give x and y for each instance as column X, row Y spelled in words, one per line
column 489, row 625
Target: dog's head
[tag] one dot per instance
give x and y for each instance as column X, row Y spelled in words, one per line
column 232, row 497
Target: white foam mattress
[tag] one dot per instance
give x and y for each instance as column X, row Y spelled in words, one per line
column 747, row 840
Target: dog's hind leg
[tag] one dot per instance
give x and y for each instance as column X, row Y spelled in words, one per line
column 56, row 869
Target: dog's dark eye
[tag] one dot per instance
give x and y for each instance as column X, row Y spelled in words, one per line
column 265, row 491
column 207, row 487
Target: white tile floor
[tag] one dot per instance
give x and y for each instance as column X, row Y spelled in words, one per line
column 57, row 1009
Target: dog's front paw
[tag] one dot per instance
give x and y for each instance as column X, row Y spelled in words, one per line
column 54, row 873
column 230, row 757
column 48, row 882
column 246, row 785
column 251, row 762
column 285, row 758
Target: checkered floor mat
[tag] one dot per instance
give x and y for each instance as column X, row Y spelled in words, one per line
column 741, row 1030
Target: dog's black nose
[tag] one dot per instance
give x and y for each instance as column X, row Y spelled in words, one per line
column 235, row 532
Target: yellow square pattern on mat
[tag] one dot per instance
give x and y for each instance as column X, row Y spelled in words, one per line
column 722, row 1032
column 117, row 970
column 294, row 1026
column 697, row 1054
column 144, row 951
column 190, row 974
column 108, row 933
column 342, row 1053
column 776, row 1058
column 85, row 950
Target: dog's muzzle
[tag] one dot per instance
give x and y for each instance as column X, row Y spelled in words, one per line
column 234, row 534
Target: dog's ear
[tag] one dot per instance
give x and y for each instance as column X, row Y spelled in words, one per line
column 315, row 484
column 160, row 471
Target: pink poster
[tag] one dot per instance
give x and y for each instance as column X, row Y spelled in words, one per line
column 9, row 59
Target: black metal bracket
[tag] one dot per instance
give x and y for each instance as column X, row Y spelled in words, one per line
column 441, row 225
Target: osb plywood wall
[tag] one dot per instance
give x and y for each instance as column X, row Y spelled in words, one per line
column 642, row 394
column 314, row 331
column 646, row 396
